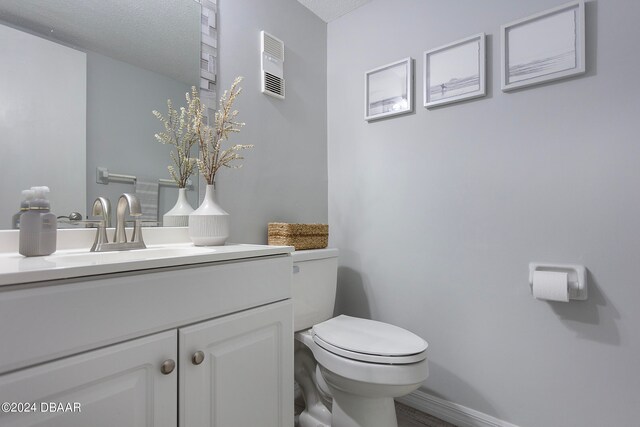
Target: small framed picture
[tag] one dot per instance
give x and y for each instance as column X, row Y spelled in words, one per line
column 388, row 90
column 544, row 47
column 455, row 72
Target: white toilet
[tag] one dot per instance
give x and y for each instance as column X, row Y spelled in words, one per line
column 361, row 364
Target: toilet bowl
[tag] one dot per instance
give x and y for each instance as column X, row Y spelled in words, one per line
column 362, row 364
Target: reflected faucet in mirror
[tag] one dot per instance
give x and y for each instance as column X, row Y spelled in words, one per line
column 72, row 217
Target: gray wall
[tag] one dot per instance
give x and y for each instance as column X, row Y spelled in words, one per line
column 437, row 214
column 121, row 127
column 284, row 178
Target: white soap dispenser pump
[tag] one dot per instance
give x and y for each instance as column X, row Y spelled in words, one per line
column 38, row 226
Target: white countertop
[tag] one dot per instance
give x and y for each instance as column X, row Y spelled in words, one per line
column 72, row 263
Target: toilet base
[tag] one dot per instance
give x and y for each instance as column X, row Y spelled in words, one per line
column 357, row 411
column 305, row 419
column 360, row 404
column 315, row 413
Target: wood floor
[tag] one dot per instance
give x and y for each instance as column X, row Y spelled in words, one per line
column 409, row 417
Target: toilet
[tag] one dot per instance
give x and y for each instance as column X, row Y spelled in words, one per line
column 360, row 365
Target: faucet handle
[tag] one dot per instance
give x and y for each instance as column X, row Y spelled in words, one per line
column 137, row 233
column 102, row 207
column 101, row 235
column 131, row 201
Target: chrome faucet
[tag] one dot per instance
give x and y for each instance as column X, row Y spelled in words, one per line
column 102, row 207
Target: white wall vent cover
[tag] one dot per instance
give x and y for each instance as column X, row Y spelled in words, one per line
column 272, row 65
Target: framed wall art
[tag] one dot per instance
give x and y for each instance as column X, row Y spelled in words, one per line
column 455, row 72
column 388, row 90
column 544, row 47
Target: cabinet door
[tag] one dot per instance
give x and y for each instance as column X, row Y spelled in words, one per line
column 246, row 376
column 121, row 385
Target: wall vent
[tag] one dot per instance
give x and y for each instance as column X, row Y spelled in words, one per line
column 272, row 65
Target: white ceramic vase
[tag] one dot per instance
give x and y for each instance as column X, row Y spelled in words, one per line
column 209, row 224
column 178, row 216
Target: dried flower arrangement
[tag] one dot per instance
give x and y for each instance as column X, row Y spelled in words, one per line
column 212, row 157
column 187, row 129
column 181, row 131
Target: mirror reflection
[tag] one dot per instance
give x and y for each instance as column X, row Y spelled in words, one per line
column 78, row 83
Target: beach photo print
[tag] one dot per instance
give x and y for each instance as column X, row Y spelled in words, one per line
column 544, row 47
column 455, row 72
column 388, row 90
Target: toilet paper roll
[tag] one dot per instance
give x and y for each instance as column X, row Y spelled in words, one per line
column 550, row 285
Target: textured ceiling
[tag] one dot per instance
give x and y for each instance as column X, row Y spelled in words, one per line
column 158, row 35
column 328, row 10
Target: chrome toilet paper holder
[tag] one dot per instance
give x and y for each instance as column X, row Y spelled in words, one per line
column 576, row 277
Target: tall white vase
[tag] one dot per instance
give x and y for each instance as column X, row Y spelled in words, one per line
column 209, row 224
column 178, row 216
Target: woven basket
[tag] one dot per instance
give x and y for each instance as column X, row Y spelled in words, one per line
column 301, row 236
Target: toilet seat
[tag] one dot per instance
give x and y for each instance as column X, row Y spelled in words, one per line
column 369, row 341
column 371, row 358
column 371, row 373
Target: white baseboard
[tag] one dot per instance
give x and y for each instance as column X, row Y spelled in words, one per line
column 450, row 412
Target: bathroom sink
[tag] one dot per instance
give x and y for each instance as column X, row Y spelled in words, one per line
column 74, row 258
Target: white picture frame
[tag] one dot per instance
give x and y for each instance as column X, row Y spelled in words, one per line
column 547, row 46
column 455, row 72
column 388, row 90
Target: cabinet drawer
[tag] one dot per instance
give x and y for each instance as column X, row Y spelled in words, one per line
column 60, row 319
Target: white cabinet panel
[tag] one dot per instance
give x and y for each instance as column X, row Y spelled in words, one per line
column 80, row 314
column 246, row 377
column 121, row 385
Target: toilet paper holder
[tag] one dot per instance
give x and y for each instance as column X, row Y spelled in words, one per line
column 576, row 276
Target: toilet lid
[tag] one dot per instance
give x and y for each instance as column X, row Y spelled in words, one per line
column 369, row 340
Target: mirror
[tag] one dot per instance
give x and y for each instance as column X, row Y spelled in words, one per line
column 79, row 80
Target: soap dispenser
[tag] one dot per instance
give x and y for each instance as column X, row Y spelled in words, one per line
column 38, row 226
column 27, row 196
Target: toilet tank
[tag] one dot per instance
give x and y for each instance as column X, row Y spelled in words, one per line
column 315, row 276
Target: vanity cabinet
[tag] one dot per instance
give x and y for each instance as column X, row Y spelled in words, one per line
column 238, row 370
column 121, row 385
column 202, row 345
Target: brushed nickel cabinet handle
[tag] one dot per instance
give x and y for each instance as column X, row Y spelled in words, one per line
column 167, row 366
column 197, row 358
